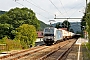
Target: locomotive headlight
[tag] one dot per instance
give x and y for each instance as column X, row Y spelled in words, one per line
column 54, row 37
column 44, row 39
column 49, row 37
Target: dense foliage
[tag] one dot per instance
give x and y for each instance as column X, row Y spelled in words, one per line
column 19, row 25
column 8, row 44
column 66, row 24
column 19, row 16
column 87, row 20
column 15, row 18
column 26, row 34
column 5, row 30
column 58, row 25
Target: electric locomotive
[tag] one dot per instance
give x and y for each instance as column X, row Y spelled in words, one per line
column 51, row 35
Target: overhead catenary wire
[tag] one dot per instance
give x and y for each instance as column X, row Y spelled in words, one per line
column 42, row 16
column 56, row 7
column 75, row 10
column 72, row 8
column 63, row 7
column 35, row 12
column 19, row 3
column 40, row 8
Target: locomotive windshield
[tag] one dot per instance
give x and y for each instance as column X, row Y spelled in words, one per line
column 49, row 30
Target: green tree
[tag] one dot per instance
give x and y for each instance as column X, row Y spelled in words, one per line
column 19, row 16
column 15, row 18
column 4, row 19
column 26, row 34
column 83, row 23
column 87, row 20
column 66, row 24
column 5, row 30
column 58, row 25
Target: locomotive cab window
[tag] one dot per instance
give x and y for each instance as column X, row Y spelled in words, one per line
column 49, row 30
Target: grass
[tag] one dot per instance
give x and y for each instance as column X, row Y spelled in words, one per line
column 86, row 55
column 88, row 46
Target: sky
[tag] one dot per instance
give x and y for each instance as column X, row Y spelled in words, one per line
column 47, row 9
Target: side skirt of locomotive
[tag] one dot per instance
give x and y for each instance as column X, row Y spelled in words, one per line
column 51, row 42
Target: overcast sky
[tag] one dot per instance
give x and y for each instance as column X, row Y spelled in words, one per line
column 47, row 9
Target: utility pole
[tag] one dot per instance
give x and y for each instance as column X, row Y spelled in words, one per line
column 86, row 23
column 67, row 25
column 86, row 8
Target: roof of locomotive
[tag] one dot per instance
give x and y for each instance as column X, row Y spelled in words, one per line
column 54, row 29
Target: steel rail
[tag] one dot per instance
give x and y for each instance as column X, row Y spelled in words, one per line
column 13, row 54
column 45, row 56
column 65, row 53
column 59, row 48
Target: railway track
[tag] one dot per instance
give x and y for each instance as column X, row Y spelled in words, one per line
column 46, row 53
column 41, row 52
column 18, row 55
column 73, row 55
column 59, row 54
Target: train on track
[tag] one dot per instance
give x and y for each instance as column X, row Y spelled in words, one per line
column 51, row 35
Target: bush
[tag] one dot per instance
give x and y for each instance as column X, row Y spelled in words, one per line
column 13, row 44
column 10, row 44
column 88, row 45
column 27, row 35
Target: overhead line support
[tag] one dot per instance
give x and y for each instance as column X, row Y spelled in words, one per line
column 67, row 18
